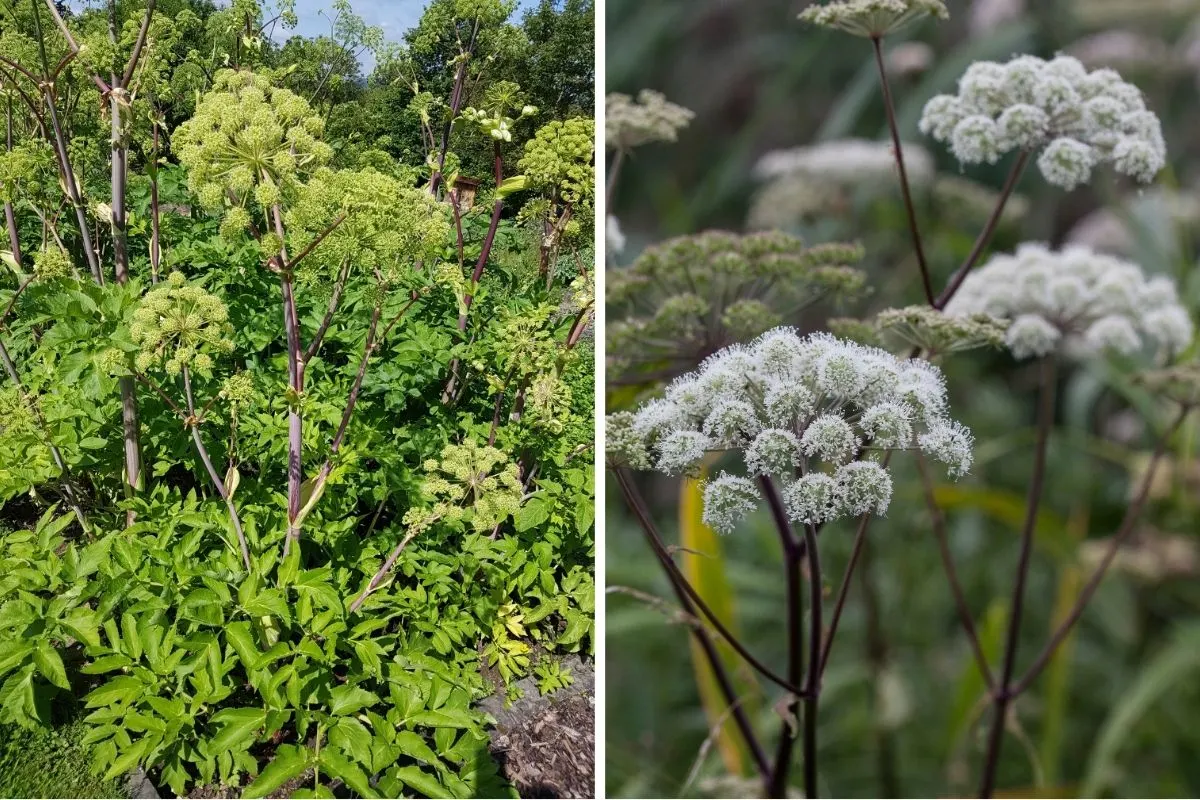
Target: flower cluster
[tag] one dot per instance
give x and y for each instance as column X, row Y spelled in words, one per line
column 847, row 161
column 27, row 171
column 51, row 262
column 872, row 18
column 1078, row 119
column 687, row 297
column 1179, row 383
column 1077, row 300
column 938, row 333
column 823, row 179
column 388, row 224
column 493, row 119
column 558, row 159
column 248, row 141
column 471, row 483
column 177, row 324
column 812, row 412
column 17, row 417
column 630, row 123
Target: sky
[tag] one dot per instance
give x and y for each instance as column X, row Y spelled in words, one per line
column 394, row 16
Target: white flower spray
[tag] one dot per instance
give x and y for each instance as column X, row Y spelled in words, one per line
column 1075, row 299
column 1076, row 118
column 813, row 412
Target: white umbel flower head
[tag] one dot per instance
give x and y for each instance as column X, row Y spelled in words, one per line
column 813, row 412
column 872, row 18
column 1077, row 119
column 728, row 499
column 1075, row 300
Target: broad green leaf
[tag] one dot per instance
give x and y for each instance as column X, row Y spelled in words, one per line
column 119, row 690
column 50, row 664
column 290, row 761
column 423, row 782
column 414, row 746
column 337, row 764
column 127, row 760
column 444, row 718
column 347, row 700
column 239, row 727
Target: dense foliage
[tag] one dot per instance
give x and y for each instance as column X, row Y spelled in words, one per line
column 296, row 431
column 1028, row 137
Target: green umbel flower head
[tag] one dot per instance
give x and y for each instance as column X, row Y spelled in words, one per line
column 388, row 225
column 50, row 263
column 559, row 159
column 473, row 483
column 872, row 18
column 249, row 143
column 178, row 325
column 688, row 297
column 494, row 118
column 630, row 123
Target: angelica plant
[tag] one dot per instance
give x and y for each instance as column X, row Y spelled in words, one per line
column 808, row 427
column 558, row 162
column 814, row 421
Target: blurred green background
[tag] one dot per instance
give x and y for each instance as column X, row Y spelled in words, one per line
column 1114, row 714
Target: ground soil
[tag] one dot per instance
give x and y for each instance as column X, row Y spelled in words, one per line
column 546, row 746
column 553, row 753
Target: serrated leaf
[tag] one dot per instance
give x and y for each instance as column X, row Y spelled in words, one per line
column 347, row 700
column 290, row 761
column 423, row 782
column 239, row 727
column 50, row 664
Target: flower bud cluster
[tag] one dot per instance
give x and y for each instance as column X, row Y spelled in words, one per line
column 938, row 333
column 1076, row 300
column 472, row 483
column 630, row 123
column 51, row 262
column 558, row 159
column 179, row 325
column 249, row 141
column 494, row 119
column 1076, row 118
column 872, row 18
column 387, row 225
column 689, row 296
column 803, row 411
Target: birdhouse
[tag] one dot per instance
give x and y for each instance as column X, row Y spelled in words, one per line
column 465, row 190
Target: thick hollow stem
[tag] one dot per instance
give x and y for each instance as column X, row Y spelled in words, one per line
column 1003, row 691
column 905, row 188
column 155, row 212
column 1127, row 525
column 456, row 98
column 792, row 558
column 218, row 482
column 813, row 687
column 614, row 172
column 295, row 465
column 712, row 656
column 985, row 236
column 938, row 523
